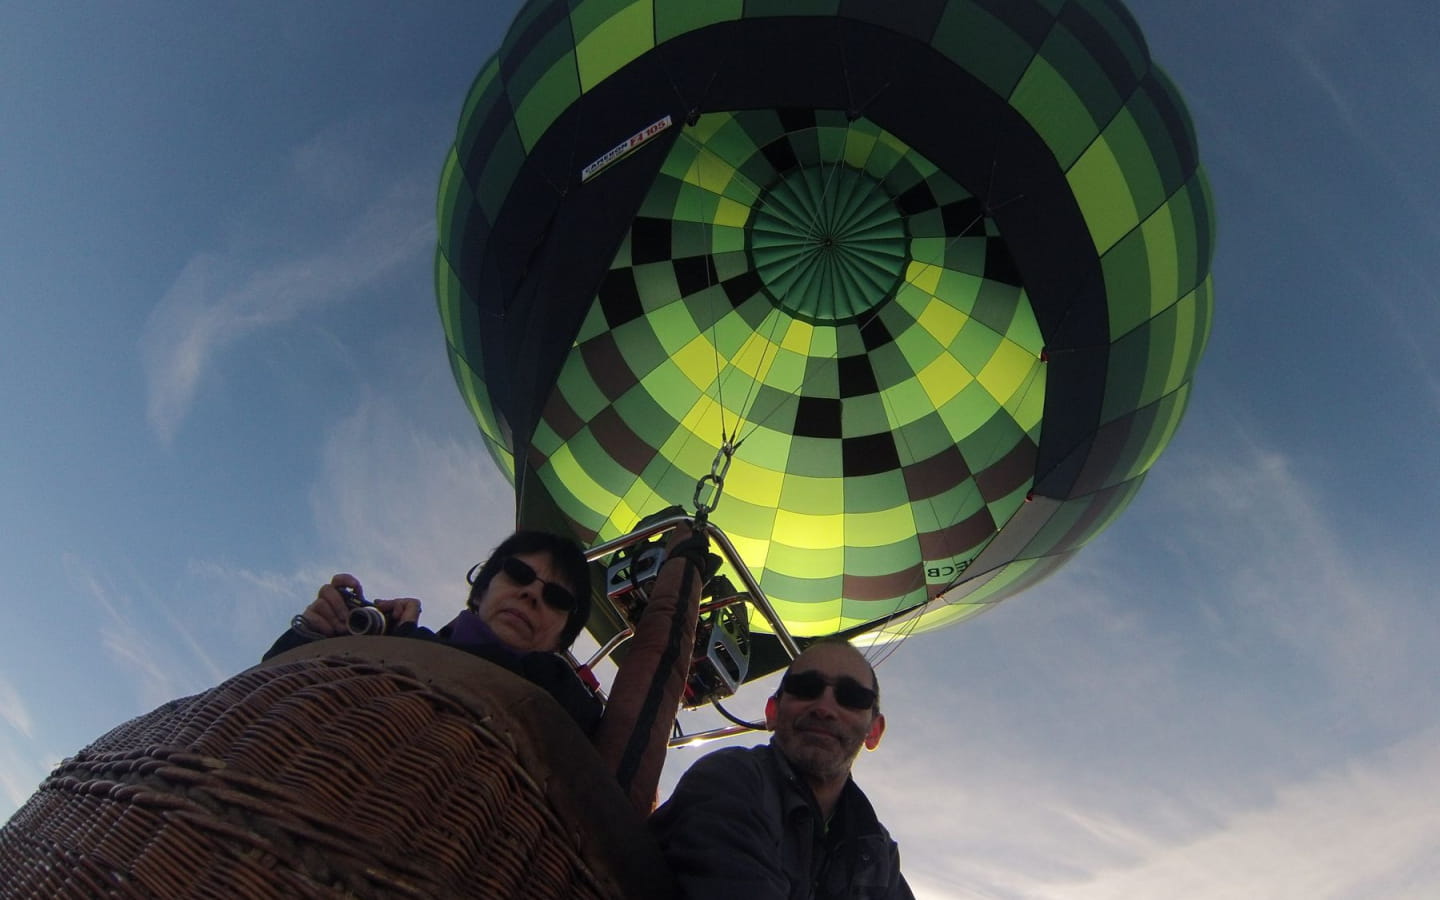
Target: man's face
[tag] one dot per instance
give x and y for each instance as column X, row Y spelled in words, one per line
column 517, row 613
column 821, row 736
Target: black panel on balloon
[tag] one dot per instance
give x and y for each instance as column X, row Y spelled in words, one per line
column 857, row 376
column 1000, row 265
column 817, row 417
column 650, row 241
column 780, row 155
column 869, row 454
column 694, row 274
column 620, row 298
column 964, row 218
column 875, row 334
column 916, row 200
column 742, row 287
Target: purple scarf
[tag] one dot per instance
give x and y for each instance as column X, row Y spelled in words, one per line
column 469, row 628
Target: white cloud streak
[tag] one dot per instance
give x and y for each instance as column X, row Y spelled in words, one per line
column 1363, row 830
column 19, row 776
column 1222, row 699
column 13, row 710
column 1323, row 48
column 403, row 506
column 217, row 301
column 415, row 508
column 161, row 655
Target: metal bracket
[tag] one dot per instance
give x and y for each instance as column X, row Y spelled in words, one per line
column 751, row 594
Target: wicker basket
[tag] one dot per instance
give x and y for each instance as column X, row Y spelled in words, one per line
column 354, row 767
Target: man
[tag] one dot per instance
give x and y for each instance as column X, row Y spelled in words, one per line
column 786, row 821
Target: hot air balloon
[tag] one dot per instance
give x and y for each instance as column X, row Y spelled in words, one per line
column 926, row 281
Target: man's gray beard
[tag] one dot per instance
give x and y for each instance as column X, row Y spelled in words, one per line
column 819, row 761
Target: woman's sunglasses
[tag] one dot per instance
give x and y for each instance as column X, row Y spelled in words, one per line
column 849, row 693
column 555, row 596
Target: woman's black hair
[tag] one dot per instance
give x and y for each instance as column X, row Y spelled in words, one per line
column 568, row 559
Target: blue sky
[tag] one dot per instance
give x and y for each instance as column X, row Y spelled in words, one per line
column 222, row 381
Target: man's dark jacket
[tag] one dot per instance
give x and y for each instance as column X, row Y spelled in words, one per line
column 741, row 824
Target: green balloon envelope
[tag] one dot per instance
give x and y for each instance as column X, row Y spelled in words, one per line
column 940, row 269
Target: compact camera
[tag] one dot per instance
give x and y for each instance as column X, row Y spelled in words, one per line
column 365, row 617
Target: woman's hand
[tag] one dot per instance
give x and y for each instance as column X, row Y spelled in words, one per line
column 329, row 614
column 400, row 610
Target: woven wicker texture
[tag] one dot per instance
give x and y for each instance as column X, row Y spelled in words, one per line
column 355, row 767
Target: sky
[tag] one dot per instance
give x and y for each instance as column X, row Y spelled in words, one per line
column 222, row 380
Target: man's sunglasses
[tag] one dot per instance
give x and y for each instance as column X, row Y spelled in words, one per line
column 555, row 596
column 849, row 693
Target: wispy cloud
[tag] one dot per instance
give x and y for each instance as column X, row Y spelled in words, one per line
column 1365, row 829
column 416, row 508
column 404, row 504
column 159, row 654
column 1360, row 98
column 13, row 709
column 219, row 299
column 20, row 773
column 1220, row 684
column 1329, row 45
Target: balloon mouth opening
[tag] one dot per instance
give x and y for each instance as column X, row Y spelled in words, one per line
column 828, row 242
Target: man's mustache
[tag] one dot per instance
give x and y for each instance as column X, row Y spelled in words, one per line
column 814, row 723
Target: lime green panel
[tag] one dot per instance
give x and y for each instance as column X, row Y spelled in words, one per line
column 582, row 499
column 600, row 467
column 555, row 91
column 1204, row 317
column 1168, row 412
column 580, row 390
column 1055, row 111
column 983, row 46
column 1125, row 373
column 588, row 15
column 877, row 495
column 1133, row 155
column 1073, row 62
column 1103, row 195
column 1163, row 263
column 948, row 507
column 864, row 560
column 1128, row 286
column 1161, row 337
column 1187, row 335
column 675, row 17
column 815, row 496
column 614, row 43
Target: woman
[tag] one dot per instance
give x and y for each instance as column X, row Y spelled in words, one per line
column 527, row 603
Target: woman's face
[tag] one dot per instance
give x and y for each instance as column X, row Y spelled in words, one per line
column 517, row 613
